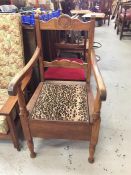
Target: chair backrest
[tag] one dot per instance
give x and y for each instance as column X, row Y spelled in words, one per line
column 105, row 5
column 11, row 48
column 64, row 23
column 71, row 41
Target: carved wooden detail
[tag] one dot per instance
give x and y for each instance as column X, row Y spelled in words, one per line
column 65, row 64
column 64, row 22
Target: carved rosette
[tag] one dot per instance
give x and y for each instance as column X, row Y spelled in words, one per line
column 65, row 22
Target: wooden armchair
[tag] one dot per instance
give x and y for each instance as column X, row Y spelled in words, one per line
column 11, row 62
column 61, row 109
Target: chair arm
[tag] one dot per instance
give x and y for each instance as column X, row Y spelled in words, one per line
column 100, row 83
column 13, row 86
column 12, row 100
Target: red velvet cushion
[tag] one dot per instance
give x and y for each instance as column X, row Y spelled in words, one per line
column 65, row 73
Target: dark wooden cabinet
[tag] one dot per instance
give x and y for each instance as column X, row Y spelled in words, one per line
column 49, row 53
column 29, row 41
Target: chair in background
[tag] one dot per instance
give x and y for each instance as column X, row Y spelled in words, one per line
column 11, row 61
column 123, row 20
column 116, row 13
column 61, row 109
column 105, row 7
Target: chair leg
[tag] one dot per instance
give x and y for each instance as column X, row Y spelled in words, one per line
column 25, row 123
column 117, row 31
column 116, row 23
column 104, row 20
column 13, row 132
column 109, row 20
column 27, row 133
column 115, row 26
column 31, row 148
column 94, row 139
column 121, row 33
column 91, row 153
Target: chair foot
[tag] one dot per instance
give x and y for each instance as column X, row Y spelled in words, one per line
column 31, row 148
column 117, row 31
column 33, row 155
column 91, row 160
column 91, row 153
column 18, row 149
column 17, row 146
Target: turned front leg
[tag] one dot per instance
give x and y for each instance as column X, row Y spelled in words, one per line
column 25, row 122
column 95, row 127
column 94, row 138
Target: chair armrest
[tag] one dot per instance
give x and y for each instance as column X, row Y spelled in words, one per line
column 13, row 86
column 100, row 83
column 12, row 100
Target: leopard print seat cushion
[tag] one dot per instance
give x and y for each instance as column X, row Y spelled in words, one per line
column 62, row 101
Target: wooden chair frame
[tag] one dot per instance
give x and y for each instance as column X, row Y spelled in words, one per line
column 61, row 129
column 13, row 124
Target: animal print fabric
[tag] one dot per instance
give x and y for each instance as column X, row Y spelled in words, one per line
column 61, row 101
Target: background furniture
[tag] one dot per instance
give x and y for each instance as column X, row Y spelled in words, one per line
column 5, row 2
column 101, row 6
column 95, row 15
column 11, row 62
column 105, row 7
column 65, row 115
column 123, row 19
column 80, row 12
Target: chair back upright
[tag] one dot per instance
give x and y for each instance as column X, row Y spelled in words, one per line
column 64, row 23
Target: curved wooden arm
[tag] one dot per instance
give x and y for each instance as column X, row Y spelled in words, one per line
column 12, row 100
column 12, row 88
column 98, row 77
